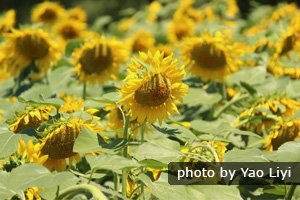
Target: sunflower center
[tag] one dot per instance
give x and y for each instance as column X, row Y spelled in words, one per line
column 96, row 60
column 69, row 32
column 154, row 92
column 209, row 56
column 32, row 47
column 48, row 15
column 60, row 145
column 288, row 45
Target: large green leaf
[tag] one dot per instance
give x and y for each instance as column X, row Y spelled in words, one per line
column 111, row 162
column 199, row 96
column 86, row 137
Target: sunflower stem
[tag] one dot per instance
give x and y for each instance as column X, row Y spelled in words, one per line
column 125, row 154
column 116, row 182
column 230, row 103
column 290, row 193
column 143, row 132
column 84, row 91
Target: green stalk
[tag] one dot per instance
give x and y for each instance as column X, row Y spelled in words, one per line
column 291, row 192
column 74, row 190
column 125, row 154
column 84, row 91
column 116, row 182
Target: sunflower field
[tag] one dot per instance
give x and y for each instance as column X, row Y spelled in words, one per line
column 96, row 108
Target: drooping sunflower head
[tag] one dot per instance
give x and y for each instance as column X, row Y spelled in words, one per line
column 260, row 117
column 30, row 45
column 7, row 21
column 115, row 117
column 141, row 41
column 70, row 29
column 179, row 28
column 287, row 43
column 77, row 14
column 33, row 117
column 48, row 12
column 99, row 60
column 152, row 86
column 209, row 56
column 58, row 143
column 283, row 131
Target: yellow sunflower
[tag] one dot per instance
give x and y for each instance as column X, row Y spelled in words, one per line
column 33, row 117
column 141, row 41
column 210, row 57
column 99, row 60
column 31, row 152
column 59, row 141
column 186, row 9
column 30, row 45
column 77, row 14
column 259, row 122
column 212, row 151
column 152, row 86
column 48, row 12
column 288, row 42
column 283, row 131
column 179, row 28
column 232, row 8
column 70, row 29
column 71, row 104
column 7, row 21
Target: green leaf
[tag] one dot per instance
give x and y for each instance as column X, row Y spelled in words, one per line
column 201, row 97
column 35, row 92
column 86, row 137
column 251, row 76
column 216, row 192
column 59, row 78
column 249, row 88
column 288, row 152
column 113, row 163
column 111, row 97
column 9, row 143
column 156, row 152
column 247, row 155
column 154, row 164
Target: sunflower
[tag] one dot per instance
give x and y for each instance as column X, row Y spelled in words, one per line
column 77, row 14
column 288, row 42
column 152, row 86
column 33, row 117
column 212, row 151
column 71, row 104
column 180, row 28
column 257, row 118
column 186, row 9
column 210, row 57
column 31, row 152
column 99, row 60
column 283, row 131
column 59, row 141
column 153, row 10
column 7, row 21
column 141, row 41
column 30, row 45
column 48, row 13
column 70, row 29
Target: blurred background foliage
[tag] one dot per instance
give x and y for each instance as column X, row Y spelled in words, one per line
column 117, row 9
